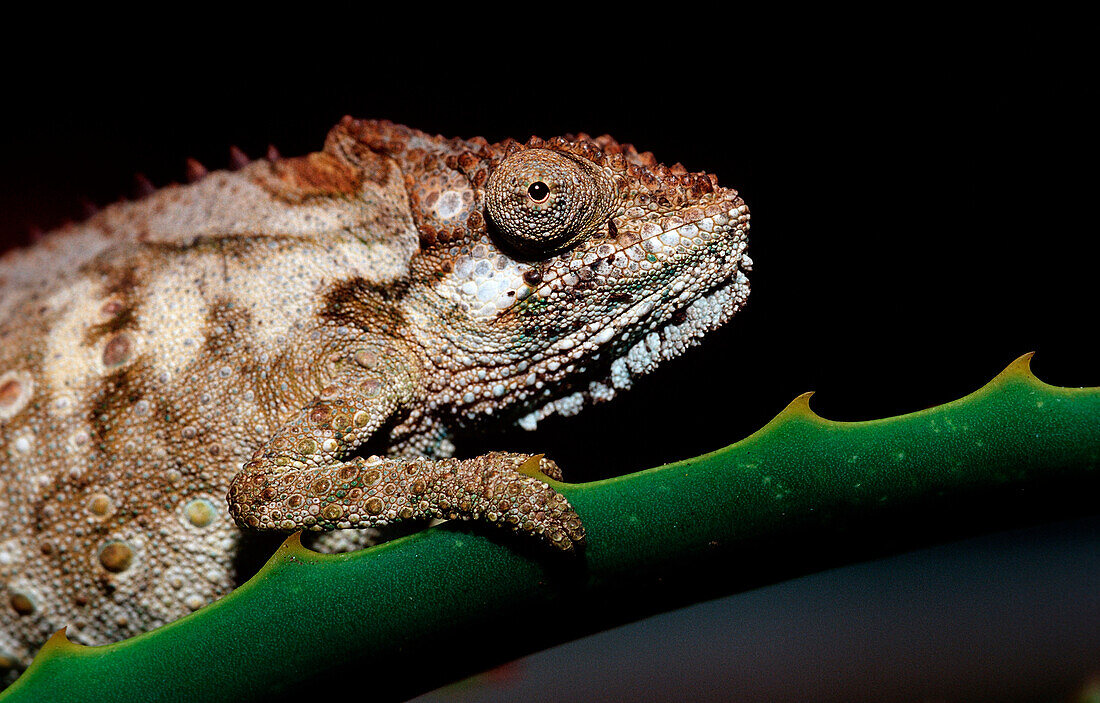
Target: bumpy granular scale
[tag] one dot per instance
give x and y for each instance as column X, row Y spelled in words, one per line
column 386, row 293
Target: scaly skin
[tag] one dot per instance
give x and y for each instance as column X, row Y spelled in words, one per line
column 327, row 322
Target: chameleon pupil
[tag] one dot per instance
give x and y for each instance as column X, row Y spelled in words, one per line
column 538, row 191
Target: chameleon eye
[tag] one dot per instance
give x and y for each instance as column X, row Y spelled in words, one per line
column 543, row 201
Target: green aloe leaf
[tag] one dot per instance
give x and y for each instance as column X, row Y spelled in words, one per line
column 802, row 493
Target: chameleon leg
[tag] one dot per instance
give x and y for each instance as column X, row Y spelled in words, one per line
column 378, row 491
column 302, row 477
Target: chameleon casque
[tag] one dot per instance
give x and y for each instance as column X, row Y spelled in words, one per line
column 292, row 344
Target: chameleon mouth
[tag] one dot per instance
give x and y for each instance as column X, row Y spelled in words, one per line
column 706, row 285
column 683, row 329
column 686, row 325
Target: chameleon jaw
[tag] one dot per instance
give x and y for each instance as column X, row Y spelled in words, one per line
column 683, row 330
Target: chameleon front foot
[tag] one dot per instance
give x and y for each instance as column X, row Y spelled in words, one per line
column 493, row 487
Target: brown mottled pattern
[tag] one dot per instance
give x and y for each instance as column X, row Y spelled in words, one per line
column 291, row 317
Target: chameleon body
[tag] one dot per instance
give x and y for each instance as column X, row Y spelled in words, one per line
column 292, row 344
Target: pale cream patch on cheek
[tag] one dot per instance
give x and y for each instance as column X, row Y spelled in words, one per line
column 449, row 206
column 484, row 281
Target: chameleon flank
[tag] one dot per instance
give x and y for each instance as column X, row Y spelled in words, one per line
column 293, row 344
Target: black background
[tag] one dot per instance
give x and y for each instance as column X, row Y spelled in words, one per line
column 923, row 207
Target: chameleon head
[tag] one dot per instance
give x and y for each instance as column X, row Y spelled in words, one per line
column 562, row 267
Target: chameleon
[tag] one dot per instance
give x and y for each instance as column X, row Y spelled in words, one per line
column 294, row 343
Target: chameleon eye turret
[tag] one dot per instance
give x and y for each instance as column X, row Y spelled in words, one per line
column 543, row 201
